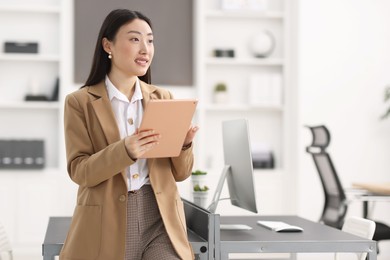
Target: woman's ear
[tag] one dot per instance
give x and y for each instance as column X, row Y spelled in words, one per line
column 106, row 45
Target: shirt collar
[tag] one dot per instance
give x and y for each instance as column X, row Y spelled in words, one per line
column 113, row 92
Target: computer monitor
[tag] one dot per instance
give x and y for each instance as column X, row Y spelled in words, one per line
column 238, row 169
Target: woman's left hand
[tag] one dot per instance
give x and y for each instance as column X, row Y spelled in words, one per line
column 190, row 135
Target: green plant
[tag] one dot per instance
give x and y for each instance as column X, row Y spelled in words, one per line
column 198, row 188
column 199, row 172
column 220, row 87
column 386, row 100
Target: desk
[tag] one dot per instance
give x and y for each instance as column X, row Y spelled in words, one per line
column 209, row 242
column 316, row 238
column 371, row 192
column 57, row 230
column 375, row 188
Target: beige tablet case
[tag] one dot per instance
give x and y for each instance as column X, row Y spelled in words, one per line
column 171, row 118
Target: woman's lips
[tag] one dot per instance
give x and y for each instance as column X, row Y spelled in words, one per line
column 142, row 62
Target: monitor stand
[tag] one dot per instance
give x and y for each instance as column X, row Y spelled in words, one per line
column 216, row 198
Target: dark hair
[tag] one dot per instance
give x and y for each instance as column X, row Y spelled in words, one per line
column 101, row 64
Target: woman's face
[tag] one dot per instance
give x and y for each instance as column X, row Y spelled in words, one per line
column 132, row 49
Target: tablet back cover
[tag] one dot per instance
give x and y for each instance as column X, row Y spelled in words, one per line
column 171, row 118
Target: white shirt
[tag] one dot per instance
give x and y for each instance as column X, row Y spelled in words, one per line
column 128, row 115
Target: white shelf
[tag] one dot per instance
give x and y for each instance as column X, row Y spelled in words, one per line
column 249, row 62
column 275, row 171
column 241, row 107
column 30, row 105
column 268, row 121
column 29, row 8
column 244, row 14
column 29, row 57
column 52, row 171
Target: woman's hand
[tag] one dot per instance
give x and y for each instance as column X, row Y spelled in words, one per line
column 190, row 135
column 140, row 142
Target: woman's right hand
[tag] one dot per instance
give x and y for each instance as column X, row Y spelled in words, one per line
column 140, row 142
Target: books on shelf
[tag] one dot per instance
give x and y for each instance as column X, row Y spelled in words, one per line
column 22, row 154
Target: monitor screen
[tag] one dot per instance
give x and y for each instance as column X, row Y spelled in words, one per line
column 238, row 168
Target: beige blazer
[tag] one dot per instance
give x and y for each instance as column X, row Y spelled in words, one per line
column 96, row 159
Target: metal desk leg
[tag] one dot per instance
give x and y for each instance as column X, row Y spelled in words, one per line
column 365, row 209
column 371, row 255
column 48, row 257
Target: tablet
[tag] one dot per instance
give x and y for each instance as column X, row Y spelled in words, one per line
column 171, row 118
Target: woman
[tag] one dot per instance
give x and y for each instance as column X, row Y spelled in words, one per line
column 127, row 208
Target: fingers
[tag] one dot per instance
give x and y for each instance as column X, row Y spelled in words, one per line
column 141, row 142
column 190, row 134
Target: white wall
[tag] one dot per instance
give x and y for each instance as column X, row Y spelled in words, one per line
column 343, row 64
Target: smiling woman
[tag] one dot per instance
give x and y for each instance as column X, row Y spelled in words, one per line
column 128, row 206
column 172, row 28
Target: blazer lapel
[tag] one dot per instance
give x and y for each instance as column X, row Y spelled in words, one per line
column 103, row 110
column 104, row 113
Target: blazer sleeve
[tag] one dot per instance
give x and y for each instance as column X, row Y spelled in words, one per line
column 86, row 167
column 182, row 165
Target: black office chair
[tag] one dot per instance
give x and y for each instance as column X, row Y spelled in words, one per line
column 336, row 204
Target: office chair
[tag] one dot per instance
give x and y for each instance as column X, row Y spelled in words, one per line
column 336, row 204
column 5, row 246
column 359, row 227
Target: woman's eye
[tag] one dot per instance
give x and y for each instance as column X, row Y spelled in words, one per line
column 134, row 39
column 150, row 41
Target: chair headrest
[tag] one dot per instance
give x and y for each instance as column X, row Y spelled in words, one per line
column 321, row 136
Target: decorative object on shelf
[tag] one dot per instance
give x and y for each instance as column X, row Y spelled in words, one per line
column 225, row 53
column 262, row 44
column 220, row 93
column 265, row 89
column 56, row 90
column 386, row 100
column 258, row 5
column 198, row 177
column 200, row 189
column 21, row 47
column 262, row 156
column 22, row 154
column 34, row 92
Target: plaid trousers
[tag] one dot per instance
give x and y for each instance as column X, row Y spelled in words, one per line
column 146, row 237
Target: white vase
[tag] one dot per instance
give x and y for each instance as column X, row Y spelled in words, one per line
column 200, row 198
column 199, row 180
column 262, row 44
column 221, row 97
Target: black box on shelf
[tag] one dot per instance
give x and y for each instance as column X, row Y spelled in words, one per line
column 225, row 53
column 263, row 160
column 21, row 47
column 22, row 154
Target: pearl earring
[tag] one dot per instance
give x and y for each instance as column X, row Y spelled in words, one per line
column 109, row 55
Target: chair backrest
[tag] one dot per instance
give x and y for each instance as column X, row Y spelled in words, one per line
column 5, row 246
column 335, row 205
column 360, row 227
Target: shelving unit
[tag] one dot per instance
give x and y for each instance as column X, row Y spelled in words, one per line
column 269, row 124
column 28, row 197
column 234, row 29
column 24, row 73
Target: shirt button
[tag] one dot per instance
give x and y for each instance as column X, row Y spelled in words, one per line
column 135, row 176
column 122, row 198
